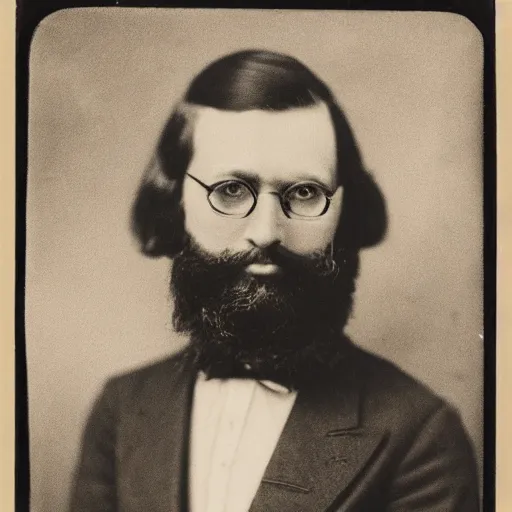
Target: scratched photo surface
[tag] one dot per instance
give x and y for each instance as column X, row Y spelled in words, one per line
column 103, row 82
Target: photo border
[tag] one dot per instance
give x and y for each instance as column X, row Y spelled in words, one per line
column 31, row 12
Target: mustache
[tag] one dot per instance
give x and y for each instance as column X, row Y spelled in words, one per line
column 320, row 263
column 269, row 255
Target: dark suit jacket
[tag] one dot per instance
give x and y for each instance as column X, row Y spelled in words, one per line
column 372, row 439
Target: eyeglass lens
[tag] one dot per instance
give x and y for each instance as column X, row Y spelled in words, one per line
column 236, row 198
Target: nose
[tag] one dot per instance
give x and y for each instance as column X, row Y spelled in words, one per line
column 264, row 227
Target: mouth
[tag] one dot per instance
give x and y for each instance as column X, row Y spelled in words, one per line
column 263, row 269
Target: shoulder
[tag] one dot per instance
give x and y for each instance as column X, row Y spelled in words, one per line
column 392, row 396
column 148, row 378
column 384, row 379
column 173, row 363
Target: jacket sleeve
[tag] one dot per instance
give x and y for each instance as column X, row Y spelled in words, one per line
column 94, row 486
column 438, row 474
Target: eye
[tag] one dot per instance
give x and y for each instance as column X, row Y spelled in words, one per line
column 232, row 189
column 304, row 192
column 232, row 197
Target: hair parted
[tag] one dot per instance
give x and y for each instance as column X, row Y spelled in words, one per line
column 247, row 80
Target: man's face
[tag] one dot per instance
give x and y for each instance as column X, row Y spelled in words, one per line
column 263, row 291
column 270, row 151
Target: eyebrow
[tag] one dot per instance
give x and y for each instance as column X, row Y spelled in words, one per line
column 254, row 179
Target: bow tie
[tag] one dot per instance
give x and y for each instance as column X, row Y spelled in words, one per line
column 272, row 386
column 277, row 382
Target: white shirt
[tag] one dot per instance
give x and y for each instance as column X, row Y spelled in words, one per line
column 236, row 424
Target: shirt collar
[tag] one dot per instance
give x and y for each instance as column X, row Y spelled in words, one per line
column 267, row 384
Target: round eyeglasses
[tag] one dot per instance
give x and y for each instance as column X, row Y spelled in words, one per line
column 236, row 198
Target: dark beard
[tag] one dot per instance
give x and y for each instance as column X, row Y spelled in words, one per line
column 285, row 327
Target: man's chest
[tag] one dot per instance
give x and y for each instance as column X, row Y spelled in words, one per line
column 235, row 427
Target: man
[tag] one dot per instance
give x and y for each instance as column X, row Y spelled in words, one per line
column 259, row 196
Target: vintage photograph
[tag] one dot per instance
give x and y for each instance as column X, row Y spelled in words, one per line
column 254, row 261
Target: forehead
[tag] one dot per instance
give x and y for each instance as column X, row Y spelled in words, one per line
column 275, row 145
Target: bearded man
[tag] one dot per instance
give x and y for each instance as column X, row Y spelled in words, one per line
column 258, row 194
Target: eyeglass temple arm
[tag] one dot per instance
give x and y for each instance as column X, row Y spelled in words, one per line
column 204, row 185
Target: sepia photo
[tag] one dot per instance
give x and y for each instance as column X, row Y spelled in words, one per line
column 254, row 275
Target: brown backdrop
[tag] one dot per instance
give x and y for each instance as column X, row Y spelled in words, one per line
column 102, row 83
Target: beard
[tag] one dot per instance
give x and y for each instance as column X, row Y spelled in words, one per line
column 286, row 327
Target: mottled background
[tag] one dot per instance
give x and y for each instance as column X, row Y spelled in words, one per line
column 102, row 83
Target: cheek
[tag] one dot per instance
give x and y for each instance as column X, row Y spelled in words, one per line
column 210, row 230
column 307, row 236
column 310, row 236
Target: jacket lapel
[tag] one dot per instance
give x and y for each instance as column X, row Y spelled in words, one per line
column 322, row 449
column 155, row 461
